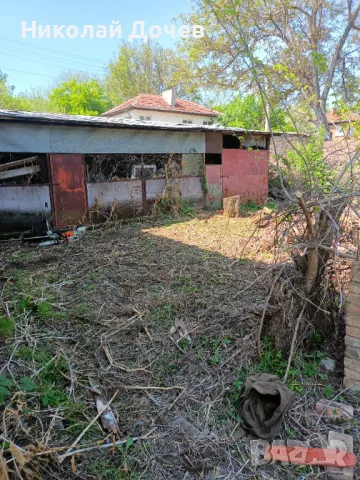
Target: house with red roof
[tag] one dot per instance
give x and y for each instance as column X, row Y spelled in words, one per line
column 164, row 108
column 344, row 128
column 342, row 125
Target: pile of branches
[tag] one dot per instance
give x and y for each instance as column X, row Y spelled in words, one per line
column 317, row 227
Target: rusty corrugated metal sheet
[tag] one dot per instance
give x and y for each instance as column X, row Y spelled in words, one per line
column 68, row 190
column 214, row 182
column 245, row 173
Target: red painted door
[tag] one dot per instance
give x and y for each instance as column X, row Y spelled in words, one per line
column 68, row 190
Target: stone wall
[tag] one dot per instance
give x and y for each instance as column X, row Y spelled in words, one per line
column 352, row 339
column 284, row 142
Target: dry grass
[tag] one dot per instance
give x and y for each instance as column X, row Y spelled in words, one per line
column 156, row 303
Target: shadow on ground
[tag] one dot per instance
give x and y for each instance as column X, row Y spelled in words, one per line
column 152, row 311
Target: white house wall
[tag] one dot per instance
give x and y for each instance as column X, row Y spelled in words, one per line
column 126, row 196
column 171, row 117
column 26, row 137
column 125, row 193
column 22, row 206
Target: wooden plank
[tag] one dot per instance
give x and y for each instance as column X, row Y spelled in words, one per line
column 17, row 163
column 19, row 172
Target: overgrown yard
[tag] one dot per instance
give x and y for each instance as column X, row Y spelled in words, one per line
column 163, row 317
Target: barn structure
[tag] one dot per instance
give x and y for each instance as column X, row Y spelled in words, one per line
column 69, row 168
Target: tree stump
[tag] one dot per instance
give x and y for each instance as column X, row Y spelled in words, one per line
column 232, row 206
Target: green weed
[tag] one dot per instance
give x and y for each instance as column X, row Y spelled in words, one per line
column 40, row 356
column 46, row 310
column 19, row 257
column 186, row 287
column 166, row 366
column 163, row 315
column 7, row 327
column 25, row 303
column 50, row 383
column 329, row 391
column 111, row 469
column 271, row 361
column 213, row 206
column 250, row 207
column 187, row 209
column 20, row 279
column 212, row 347
column 5, row 385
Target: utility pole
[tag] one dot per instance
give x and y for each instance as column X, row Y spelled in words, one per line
column 267, row 117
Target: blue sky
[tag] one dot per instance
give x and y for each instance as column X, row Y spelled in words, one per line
column 34, row 63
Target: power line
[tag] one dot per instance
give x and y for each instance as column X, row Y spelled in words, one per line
column 52, row 50
column 35, row 61
column 50, row 57
column 22, row 71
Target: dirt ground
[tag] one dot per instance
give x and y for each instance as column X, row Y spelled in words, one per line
column 162, row 315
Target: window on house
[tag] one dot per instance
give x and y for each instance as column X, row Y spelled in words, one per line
column 143, row 118
column 213, row 158
column 231, row 141
column 339, row 132
column 144, row 171
column 207, row 122
column 188, row 122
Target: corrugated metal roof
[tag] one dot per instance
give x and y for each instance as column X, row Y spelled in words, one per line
column 59, row 118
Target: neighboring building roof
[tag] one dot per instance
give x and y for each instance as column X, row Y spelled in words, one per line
column 19, row 116
column 156, row 102
column 333, row 117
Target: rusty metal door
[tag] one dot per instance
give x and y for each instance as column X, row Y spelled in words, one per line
column 68, row 190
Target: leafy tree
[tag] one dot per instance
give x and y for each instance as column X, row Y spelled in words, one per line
column 84, row 98
column 6, row 92
column 144, row 68
column 31, row 100
column 294, row 48
column 306, row 166
column 248, row 112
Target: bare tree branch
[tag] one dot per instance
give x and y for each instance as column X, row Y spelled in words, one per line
column 330, row 76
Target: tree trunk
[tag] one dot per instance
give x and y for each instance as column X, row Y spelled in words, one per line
column 321, row 119
column 310, row 282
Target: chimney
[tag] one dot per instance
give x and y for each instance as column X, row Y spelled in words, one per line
column 170, row 96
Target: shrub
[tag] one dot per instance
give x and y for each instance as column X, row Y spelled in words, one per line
column 306, row 166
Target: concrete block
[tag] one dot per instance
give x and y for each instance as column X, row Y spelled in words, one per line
column 257, row 448
column 297, row 443
column 355, row 271
column 334, row 410
column 352, row 352
column 354, row 287
column 353, row 298
column 353, row 309
column 327, row 364
column 352, row 320
column 352, row 331
column 352, row 385
column 352, row 374
column 352, row 364
column 352, row 341
column 343, row 442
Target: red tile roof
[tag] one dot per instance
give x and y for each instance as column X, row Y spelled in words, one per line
column 333, row 117
column 156, row 102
